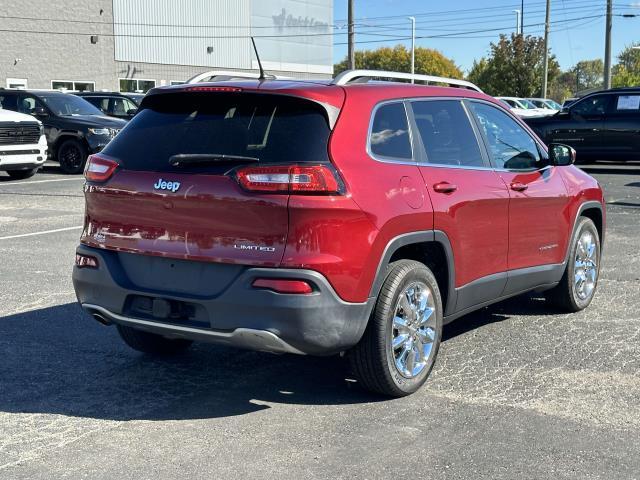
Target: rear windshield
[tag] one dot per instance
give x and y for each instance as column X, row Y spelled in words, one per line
column 271, row 128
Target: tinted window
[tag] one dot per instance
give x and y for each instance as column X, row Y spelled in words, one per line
column 596, row 105
column 28, row 104
column 446, row 133
column 67, row 104
column 510, row 146
column 9, row 102
column 627, row 104
column 120, row 106
column 390, row 132
column 100, row 103
column 274, row 129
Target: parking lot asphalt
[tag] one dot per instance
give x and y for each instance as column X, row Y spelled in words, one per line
column 518, row 391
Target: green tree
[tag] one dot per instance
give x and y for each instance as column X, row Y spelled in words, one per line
column 562, row 87
column 588, row 74
column 514, row 67
column 627, row 71
column 398, row 59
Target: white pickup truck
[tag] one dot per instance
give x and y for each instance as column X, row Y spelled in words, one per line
column 23, row 146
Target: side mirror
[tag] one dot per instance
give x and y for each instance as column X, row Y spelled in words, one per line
column 132, row 111
column 561, row 155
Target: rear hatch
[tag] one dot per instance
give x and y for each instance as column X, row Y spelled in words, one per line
column 175, row 191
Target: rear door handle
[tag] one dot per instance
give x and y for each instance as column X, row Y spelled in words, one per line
column 445, row 187
column 519, row 187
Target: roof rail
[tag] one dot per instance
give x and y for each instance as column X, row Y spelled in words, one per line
column 225, row 75
column 363, row 76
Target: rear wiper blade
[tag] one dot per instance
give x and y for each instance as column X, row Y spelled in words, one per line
column 184, row 159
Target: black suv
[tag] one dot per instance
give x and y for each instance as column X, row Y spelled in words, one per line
column 74, row 128
column 600, row 126
column 119, row 105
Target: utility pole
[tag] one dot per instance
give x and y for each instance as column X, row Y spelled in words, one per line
column 517, row 12
column 545, row 73
column 607, row 46
column 521, row 17
column 413, row 46
column 351, row 38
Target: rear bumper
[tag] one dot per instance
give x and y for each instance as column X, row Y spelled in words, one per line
column 319, row 323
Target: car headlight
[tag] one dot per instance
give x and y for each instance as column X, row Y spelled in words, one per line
column 99, row 131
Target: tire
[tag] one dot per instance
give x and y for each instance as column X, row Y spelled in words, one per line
column 375, row 363
column 22, row 174
column 151, row 343
column 71, row 155
column 573, row 293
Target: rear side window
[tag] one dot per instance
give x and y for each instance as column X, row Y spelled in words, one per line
column 629, row 104
column 390, row 132
column 272, row 128
column 447, row 134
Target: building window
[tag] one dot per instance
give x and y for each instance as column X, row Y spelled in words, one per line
column 72, row 85
column 136, row 85
column 177, row 82
column 16, row 83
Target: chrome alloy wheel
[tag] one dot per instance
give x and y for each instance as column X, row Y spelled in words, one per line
column 413, row 329
column 586, row 266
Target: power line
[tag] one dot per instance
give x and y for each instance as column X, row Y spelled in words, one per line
column 300, row 35
column 452, row 35
column 334, row 25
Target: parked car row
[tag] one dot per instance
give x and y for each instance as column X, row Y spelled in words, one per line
column 601, row 125
column 73, row 127
column 531, row 107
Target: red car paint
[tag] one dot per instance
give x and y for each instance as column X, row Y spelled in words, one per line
column 495, row 220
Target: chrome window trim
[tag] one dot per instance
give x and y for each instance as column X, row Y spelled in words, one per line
column 382, row 158
column 519, row 121
column 472, row 120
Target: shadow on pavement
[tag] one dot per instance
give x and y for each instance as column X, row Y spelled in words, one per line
column 58, row 360
column 611, row 169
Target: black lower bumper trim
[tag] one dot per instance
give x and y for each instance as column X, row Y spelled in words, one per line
column 320, row 323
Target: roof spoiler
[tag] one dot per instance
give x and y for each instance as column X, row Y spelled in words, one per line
column 226, row 75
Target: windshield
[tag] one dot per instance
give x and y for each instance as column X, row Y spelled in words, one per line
column 269, row 128
column 554, row 105
column 69, row 105
column 527, row 104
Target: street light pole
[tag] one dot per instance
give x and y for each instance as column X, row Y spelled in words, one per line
column 413, row 46
column 517, row 12
column 607, row 46
column 351, row 53
column 545, row 73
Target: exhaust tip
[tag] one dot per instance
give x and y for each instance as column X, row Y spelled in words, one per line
column 101, row 319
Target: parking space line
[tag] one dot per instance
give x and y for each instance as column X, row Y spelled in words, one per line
column 41, row 233
column 42, row 181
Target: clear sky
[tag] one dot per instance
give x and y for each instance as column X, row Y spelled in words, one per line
column 463, row 29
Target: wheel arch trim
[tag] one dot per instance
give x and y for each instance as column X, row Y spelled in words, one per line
column 411, row 238
column 588, row 205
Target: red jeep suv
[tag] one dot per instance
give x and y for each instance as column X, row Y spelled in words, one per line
column 329, row 217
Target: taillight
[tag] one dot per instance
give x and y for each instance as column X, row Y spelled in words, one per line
column 99, row 168
column 279, row 285
column 289, row 179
